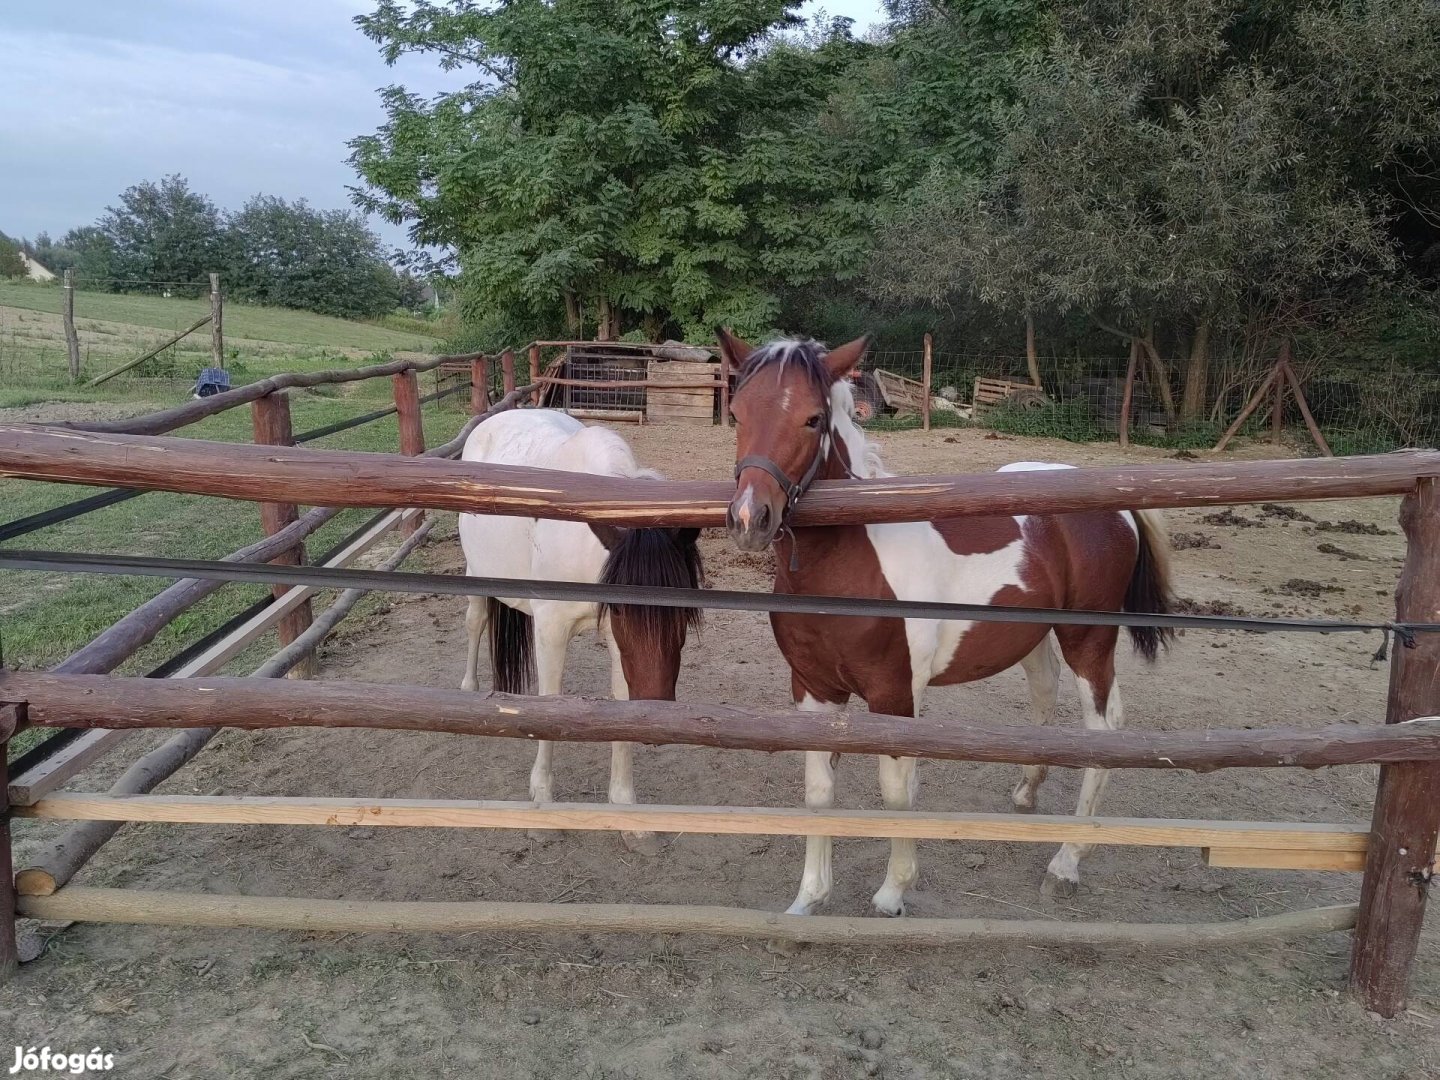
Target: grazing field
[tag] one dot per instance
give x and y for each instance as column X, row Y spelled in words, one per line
column 113, row 327
column 178, row 1002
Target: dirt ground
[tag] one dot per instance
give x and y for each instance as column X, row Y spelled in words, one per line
column 185, row 1003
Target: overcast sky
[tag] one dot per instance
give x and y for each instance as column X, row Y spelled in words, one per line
column 239, row 96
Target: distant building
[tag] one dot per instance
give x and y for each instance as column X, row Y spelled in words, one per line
column 34, row 271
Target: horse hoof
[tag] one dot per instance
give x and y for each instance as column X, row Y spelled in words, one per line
column 642, row 843
column 1023, row 808
column 1058, row 888
column 803, row 907
column 890, row 905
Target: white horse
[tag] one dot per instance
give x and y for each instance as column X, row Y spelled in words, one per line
column 645, row 642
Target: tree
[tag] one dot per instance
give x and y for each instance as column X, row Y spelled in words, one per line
column 160, row 233
column 11, row 264
column 54, row 256
column 292, row 255
column 1196, row 167
column 619, row 165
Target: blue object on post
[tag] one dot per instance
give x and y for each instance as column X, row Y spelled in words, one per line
column 213, row 380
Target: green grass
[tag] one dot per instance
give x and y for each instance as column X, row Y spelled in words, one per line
column 46, row 616
column 245, row 321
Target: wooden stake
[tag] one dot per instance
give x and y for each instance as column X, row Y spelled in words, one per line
column 479, row 384
column 72, row 339
column 1250, row 406
column 1277, row 413
column 1299, row 393
column 270, row 417
column 925, row 386
column 1406, row 821
column 1127, row 400
column 89, row 904
column 217, row 332
column 105, row 377
column 535, row 371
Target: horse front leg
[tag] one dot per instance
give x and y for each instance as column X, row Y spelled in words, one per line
column 1102, row 709
column 816, row 880
column 622, row 760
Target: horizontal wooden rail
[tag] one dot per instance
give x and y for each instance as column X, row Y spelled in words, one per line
column 632, row 384
column 157, row 423
column 706, row 820
column 347, row 478
column 89, row 904
column 118, row 702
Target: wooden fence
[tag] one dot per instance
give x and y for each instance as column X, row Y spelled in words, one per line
column 1396, row 851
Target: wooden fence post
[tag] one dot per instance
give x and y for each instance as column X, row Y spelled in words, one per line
column 925, row 402
column 412, row 429
column 535, row 372
column 72, row 339
column 217, row 333
column 270, row 416
column 10, row 716
column 1406, row 820
column 507, row 370
column 479, row 384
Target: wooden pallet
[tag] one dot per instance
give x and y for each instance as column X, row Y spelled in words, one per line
column 990, row 393
column 686, row 406
column 901, row 394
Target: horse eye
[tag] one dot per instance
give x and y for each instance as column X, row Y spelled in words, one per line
column 813, row 422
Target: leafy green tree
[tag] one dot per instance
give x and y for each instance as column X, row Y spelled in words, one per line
column 1201, row 165
column 11, row 264
column 621, row 165
column 293, row 255
column 160, row 232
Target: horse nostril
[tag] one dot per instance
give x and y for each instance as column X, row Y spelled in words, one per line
column 762, row 518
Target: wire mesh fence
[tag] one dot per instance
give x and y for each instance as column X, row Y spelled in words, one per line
column 1362, row 408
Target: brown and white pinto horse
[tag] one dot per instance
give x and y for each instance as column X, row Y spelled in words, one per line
column 792, row 406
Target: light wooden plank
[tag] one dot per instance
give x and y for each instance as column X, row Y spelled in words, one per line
column 1284, row 859
column 725, row 820
column 89, row 904
column 70, row 760
column 34, row 784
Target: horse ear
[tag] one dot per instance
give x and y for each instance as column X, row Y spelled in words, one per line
column 846, row 358
column 736, row 350
column 608, row 535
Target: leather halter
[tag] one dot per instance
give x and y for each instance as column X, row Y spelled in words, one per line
column 791, row 488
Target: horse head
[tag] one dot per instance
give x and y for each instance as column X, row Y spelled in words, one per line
column 782, row 410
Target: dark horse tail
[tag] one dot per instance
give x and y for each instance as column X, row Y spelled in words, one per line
column 512, row 647
column 668, row 558
column 1149, row 590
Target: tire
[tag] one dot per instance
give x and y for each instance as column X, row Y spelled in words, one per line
column 868, row 403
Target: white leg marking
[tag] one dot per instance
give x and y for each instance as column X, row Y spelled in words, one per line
column 815, row 882
column 897, row 787
column 1063, row 875
column 622, row 759
column 1042, row 672
column 552, row 639
column 476, row 619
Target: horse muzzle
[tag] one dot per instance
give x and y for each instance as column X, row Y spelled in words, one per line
column 751, row 521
